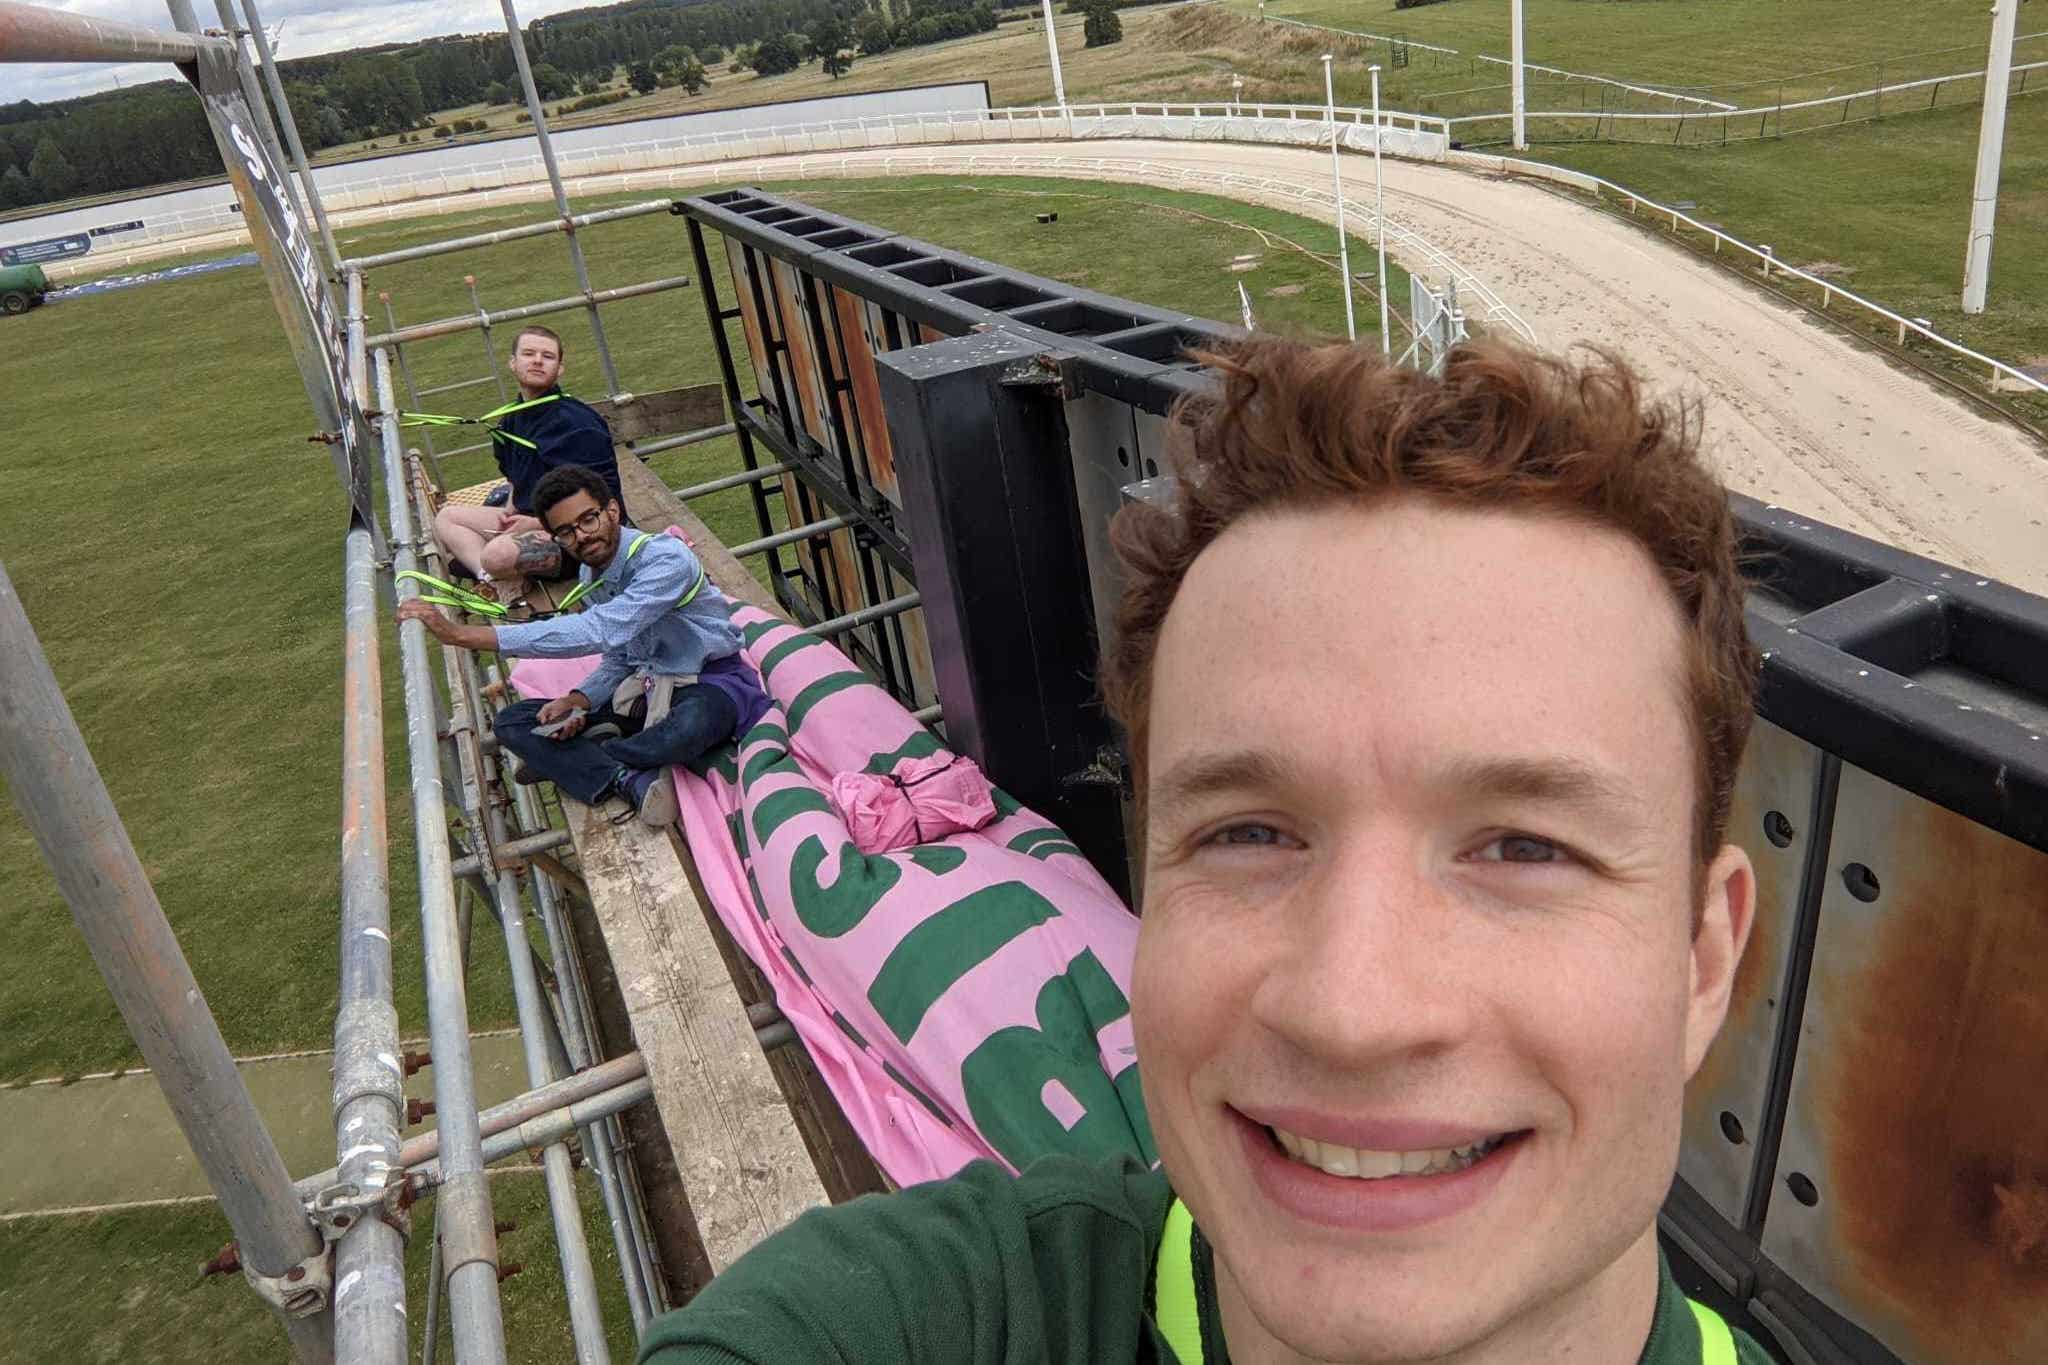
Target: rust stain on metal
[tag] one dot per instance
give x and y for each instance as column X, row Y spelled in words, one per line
column 750, row 318
column 865, row 392
column 796, row 343
column 1752, row 1011
column 1934, row 1111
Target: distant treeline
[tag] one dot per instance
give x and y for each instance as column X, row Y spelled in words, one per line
column 131, row 139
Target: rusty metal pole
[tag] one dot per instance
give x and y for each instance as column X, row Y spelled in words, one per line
column 547, row 159
column 31, row 33
column 66, row 807
column 369, row 1096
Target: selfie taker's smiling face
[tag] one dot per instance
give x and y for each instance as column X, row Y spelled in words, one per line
column 1416, row 990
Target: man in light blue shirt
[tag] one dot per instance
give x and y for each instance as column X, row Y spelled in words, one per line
column 670, row 683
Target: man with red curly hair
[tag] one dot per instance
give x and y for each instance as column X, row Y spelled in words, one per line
column 1435, row 690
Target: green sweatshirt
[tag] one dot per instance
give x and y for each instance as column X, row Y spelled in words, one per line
column 1055, row 1265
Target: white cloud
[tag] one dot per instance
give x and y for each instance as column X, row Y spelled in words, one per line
column 304, row 28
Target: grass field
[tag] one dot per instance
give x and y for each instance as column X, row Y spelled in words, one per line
column 177, row 546
column 120, row 1287
column 1732, row 50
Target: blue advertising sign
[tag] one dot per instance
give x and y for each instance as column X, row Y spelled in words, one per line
column 109, row 229
column 49, row 249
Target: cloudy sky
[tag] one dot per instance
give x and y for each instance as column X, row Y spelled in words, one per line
column 303, row 28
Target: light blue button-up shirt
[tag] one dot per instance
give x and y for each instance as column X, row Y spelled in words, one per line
column 630, row 617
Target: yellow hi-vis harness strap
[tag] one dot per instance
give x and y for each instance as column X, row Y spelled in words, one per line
column 446, row 594
column 488, row 421
column 1180, row 1319
column 582, row 590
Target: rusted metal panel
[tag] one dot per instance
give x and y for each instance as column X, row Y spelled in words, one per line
column 750, row 317
column 860, row 323
column 803, row 368
column 1912, row 1187
column 1724, row 1105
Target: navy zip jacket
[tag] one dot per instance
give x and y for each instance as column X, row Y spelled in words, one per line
column 566, row 432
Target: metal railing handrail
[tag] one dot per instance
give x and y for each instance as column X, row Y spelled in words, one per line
column 1588, row 76
column 1830, row 290
column 1616, row 115
column 1494, row 309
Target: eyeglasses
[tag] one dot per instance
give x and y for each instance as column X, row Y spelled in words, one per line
column 584, row 525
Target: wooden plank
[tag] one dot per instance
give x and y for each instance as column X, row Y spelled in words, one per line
column 743, row 1162
column 668, row 411
column 835, row 1148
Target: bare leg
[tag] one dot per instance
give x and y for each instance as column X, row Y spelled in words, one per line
column 525, row 552
column 465, row 531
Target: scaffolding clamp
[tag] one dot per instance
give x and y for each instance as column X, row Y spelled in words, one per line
column 300, row 1292
column 340, row 1207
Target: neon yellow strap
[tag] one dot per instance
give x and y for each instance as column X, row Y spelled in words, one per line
column 1173, row 1287
column 521, row 405
column 577, row 593
column 1180, row 1321
column 446, row 594
column 443, row 419
column 1717, row 1343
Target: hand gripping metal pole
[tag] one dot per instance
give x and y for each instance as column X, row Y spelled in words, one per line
column 66, row 807
column 369, row 1257
column 469, row 1247
column 547, row 158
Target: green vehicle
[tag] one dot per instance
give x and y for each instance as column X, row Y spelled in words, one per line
column 22, row 287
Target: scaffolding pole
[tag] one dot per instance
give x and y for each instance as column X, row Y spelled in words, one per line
column 259, row 108
column 469, row 1248
column 603, row 1142
column 514, row 234
column 486, row 817
column 369, row 1093
column 547, row 158
column 30, row 33
column 605, row 1079
column 66, row 807
column 309, row 190
column 482, row 320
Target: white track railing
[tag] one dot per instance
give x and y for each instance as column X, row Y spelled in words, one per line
column 1770, row 264
column 1225, row 121
column 1388, row 39
column 1759, row 112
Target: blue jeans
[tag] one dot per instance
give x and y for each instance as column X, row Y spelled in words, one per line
column 700, row 717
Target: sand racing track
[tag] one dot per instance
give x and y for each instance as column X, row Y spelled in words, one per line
column 1796, row 413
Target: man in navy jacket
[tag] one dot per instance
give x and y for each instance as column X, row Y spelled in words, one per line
column 544, row 430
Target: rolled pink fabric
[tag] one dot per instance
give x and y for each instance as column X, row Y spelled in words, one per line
column 919, row 801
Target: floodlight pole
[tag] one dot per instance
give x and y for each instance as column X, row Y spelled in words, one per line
column 1337, row 184
column 1521, row 101
column 1990, row 152
column 1379, row 209
column 1052, row 47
